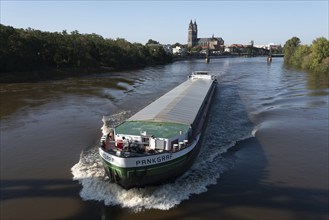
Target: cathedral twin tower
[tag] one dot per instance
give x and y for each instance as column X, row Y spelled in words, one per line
column 192, row 34
column 213, row 43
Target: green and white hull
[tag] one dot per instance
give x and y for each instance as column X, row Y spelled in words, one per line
column 149, row 170
column 160, row 142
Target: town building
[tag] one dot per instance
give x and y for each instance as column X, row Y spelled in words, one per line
column 178, row 50
column 211, row 43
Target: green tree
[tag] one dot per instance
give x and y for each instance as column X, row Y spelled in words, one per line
column 178, row 45
column 289, row 49
column 314, row 58
column 300, row 57
column 150, row 42
column 195, row 49
column 319, row 54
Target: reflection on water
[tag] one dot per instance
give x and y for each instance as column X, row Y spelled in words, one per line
column 29, row 95
column 45, row 126
column 318, row 84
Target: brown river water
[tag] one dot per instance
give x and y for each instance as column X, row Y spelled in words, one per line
column 264, row 154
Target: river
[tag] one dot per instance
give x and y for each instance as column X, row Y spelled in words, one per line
column 264, row 153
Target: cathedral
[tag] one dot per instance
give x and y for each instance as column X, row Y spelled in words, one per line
column 211, row 43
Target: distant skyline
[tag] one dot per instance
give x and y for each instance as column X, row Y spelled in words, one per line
column 167, row 22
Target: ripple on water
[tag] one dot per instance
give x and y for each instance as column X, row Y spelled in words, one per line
column 223, row 131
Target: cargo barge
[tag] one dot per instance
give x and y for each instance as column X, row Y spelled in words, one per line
column 160, row 142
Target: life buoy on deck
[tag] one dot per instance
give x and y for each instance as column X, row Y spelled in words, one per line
column 119, row 143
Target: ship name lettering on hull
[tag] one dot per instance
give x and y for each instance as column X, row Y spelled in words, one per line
column 154, row 160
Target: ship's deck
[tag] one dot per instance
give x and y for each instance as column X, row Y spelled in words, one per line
column 171, row 113
column 157, row 129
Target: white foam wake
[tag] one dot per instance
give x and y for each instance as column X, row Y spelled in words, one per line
column 95, row 185
column 206, row 170
column 112, row 120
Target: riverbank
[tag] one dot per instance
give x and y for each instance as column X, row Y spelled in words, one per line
column 221, row 56
column 62, row 73
column 57, row 74
column 46, row 74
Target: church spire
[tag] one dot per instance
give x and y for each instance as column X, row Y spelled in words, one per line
column 190, row 27
column 195, row 26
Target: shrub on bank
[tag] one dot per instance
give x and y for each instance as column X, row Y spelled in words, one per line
column 314, row 58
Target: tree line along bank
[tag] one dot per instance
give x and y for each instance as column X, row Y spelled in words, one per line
column 29, row 51
column 28, row 54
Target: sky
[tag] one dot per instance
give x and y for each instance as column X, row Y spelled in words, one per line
column 167, row 22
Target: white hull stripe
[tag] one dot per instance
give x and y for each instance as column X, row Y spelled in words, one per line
column 128, row 162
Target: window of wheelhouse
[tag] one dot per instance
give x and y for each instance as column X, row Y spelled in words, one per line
column 146, row 141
